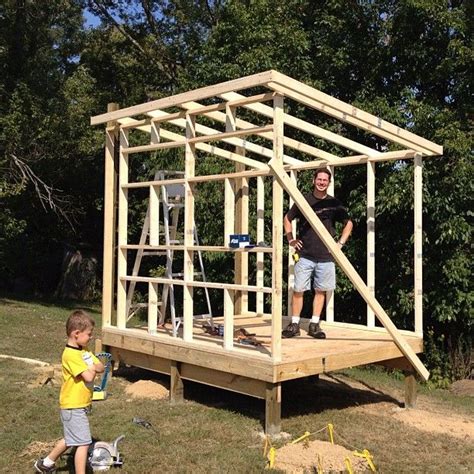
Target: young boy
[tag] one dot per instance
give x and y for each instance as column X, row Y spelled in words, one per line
column 79, row 369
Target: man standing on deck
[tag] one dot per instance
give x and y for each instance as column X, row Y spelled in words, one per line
column 315, row 264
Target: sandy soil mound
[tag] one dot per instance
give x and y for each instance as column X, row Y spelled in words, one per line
column 463, row 387
column 306, row 456
column 147, row 389
column 431, row 422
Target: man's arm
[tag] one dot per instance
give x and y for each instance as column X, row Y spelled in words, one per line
column 346, row 232
column 296, row 243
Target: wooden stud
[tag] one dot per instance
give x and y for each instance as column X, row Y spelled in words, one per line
column 154, row 215
column 329, row 301
column 291, row 263
column 418, row 242
column 229, row 313
column 176, row 383
column 371, row 239
column 273, row 409
column 152, row 307
column 346, row 266
column 260, row 238
column 111, row 138
column 277, row 226
column 190, row 163
column 122, row 232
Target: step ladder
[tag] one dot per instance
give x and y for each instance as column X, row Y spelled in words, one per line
column 172, row 200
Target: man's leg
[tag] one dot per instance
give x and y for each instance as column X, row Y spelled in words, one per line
column 314, row 329
column 318, row 302
column 297, row 303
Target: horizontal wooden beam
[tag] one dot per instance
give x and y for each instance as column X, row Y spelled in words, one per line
column 198, row 248
column 197, row 94
column 198, row 284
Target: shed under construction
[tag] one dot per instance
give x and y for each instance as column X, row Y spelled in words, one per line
column 245, row 125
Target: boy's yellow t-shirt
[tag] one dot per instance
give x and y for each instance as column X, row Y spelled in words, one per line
column 75, row 392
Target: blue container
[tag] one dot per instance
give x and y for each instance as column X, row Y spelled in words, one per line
column 220, row 330
column 239, row 240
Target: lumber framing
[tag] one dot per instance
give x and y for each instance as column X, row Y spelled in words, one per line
column 247, row 122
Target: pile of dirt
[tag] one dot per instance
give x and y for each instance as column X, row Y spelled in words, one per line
column 147, row 389
column 308, row 456
column 463, row 388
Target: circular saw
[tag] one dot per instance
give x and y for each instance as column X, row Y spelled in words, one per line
column 103, row 455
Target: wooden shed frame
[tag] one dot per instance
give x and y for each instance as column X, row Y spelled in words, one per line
column 224, row 363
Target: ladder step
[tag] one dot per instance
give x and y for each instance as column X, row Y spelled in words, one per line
column 174, row 205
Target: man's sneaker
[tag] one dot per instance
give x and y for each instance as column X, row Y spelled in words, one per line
column 292, row 330
column 315, row 331
column 40, row 467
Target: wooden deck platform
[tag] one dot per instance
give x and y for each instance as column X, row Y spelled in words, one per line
column 251, row 370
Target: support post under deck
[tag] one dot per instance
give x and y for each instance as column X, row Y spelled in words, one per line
column 176, row 383
column 273, row 408
column 410, row 390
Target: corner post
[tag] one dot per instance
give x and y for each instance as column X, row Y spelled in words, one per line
column 111, row 141
column 277, row 227
column 418, row 242
column 370, row 239
column 122, row 231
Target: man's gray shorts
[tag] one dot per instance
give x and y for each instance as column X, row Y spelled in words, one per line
column 76, row 426
column 321, row 274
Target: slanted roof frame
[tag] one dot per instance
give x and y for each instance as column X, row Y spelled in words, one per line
column 295, row 90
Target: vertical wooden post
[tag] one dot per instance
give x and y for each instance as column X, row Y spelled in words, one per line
column 122, row 232
column 188, row 294
column 410, row 390
column 152, row 307
column 291, row 263
column 154, row 215
column 176, row 383
column 277, row 226
column 229, row 312
column 371, row 239
column 260, row 238
column 241, row 204
column 111, row 138
column 330, row 294
column 273, row 408
column 418, row 242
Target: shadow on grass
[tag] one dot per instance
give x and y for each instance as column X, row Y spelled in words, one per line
column 304, row 396
column 15, row 299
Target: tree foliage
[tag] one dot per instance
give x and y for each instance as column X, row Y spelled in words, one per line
column 409, row 62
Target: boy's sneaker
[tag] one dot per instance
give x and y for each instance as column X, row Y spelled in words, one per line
column 315, row 331
column 292, row 330
column 40, row 467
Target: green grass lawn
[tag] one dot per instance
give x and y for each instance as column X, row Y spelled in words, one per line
column 213, row 430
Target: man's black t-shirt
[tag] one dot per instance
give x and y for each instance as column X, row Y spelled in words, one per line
column 330, row 210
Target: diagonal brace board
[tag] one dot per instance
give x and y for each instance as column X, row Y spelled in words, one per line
column 316, row 224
